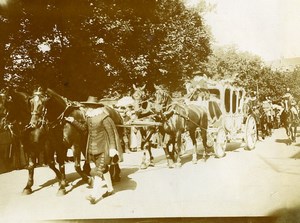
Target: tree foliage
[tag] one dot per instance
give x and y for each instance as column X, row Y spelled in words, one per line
column 246, row 70
column 85, row 47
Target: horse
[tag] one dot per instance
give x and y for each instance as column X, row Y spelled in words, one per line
column 265, row 122
column 14, row 114
column 48, row 110
column 144, row 111
column 290, row 122
column 179, row 118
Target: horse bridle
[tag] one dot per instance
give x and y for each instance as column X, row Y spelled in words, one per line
column 41, row 115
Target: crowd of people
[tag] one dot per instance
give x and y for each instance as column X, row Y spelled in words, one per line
column 273, row 110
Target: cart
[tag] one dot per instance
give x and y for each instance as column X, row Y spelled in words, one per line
column 227, row 120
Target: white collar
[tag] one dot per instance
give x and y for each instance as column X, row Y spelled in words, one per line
column 92, row 112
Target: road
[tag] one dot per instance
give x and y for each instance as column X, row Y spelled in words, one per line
column 261, row 182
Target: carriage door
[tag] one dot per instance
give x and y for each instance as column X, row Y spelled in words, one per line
column 228, row 116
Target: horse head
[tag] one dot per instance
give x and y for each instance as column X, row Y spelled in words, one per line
column 5, row 98
column 38, row 107
column 139, row 93
column 162, row 98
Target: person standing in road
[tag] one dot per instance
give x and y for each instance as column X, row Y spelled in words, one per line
column 103, row 145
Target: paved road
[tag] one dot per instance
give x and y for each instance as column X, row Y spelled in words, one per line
column 261, row 182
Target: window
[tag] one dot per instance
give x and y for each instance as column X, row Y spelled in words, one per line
column 227, row 100
column 234, row 105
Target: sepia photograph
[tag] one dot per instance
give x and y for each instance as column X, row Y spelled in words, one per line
column 150, row 111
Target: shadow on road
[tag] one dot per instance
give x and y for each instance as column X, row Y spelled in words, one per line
column 71, row 177
column 126, row 182
column 286, row 215
column 297, row 155
column 284, row 141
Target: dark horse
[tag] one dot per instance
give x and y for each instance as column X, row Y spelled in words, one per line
column 265, row 123
column 290, row 122
column 179, row 118
column 15, row 115
column 48, row 128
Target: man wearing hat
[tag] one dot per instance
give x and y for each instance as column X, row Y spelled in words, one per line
column 290, row 103
column 102, row 145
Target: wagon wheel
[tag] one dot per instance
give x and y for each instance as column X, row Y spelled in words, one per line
column 220, row 143
column 250, row 133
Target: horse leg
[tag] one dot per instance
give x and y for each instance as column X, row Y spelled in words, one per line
column 176, row 149
column 169, row 157
column 148, row 146
column 193, row 138
column 151, row 163
column 31, row 165
column 49, row 153
column 166, row 142
column 204, row 142
column 294, row 131
column 61, row 153
column 143, row 163
column 77, row 166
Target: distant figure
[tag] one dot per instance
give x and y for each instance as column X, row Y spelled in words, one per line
column 290, row 103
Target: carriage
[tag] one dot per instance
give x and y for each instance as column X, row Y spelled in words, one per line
column 227, row 118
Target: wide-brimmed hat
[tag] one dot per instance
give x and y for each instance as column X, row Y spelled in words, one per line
column 92, row 100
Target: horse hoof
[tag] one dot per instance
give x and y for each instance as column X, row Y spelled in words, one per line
column 194, row 161
column 151, row 164
column 179, row 165
column 143, row 166
column 27, row 191
column 171, row 165
column 61, row 192
column 90, row 182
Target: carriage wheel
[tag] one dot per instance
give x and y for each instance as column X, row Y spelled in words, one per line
column 220, row 143
column 250, row 133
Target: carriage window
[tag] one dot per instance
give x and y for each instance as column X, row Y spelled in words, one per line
column 227, row 100
column 234, row 102
column 240, row 99
column 214, row 93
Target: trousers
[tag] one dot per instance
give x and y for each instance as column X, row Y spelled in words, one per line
column 101, row 166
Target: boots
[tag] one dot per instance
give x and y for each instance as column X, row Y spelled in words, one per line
column 96, row 191
column 110, row 189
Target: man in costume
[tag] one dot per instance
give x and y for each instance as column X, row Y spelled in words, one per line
column 103, row 145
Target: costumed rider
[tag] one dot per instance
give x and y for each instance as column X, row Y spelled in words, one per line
column 253, row 100
column 268, row 109
column 103, row 145
column 290, row 103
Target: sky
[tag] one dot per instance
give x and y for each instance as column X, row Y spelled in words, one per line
column 268, row 28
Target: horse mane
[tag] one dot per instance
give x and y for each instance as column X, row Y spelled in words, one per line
column 56, row 104
column 179, row 108
column 58, row 98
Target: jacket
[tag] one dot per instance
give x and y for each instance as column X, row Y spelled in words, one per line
column 102, row 134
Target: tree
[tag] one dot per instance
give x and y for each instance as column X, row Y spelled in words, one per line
column 245, row 70
column 81, row 48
